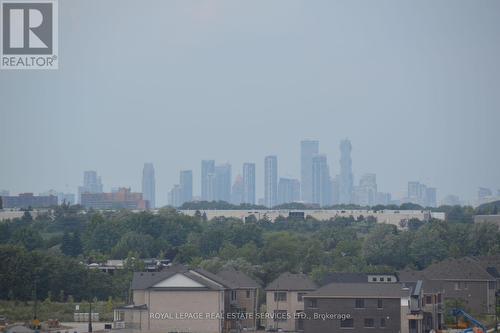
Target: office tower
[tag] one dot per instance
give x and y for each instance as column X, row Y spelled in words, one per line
column 175, row 196
column 270, row 181
column 91, row 184
column 308, row 149
column 346, row 178
column 321, row 181
column 186, row 183
column 414, row 191
column 335, row 190
column 422, row 195
column 383, row 198
column 4, row 193
column 431, row 197
column 288, row 190
column 223, row 182
column 237, row 191
column 148, row 184
column 366, row 192
column 207, row 168
column 211, row 187
column 249, row 183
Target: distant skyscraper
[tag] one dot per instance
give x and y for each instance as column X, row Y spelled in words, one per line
column 346, row 178
column 335, row 190
column 366, row 192
column 321, row 181
column 91, row 184
column 288, row 190
column 422, row 195
column 175, row 196
column 308, row 149
column 270, row 181
column 431, row 197
column 207, row 168
column 249, row 183
column 211, row 187
column 237, row 191
column 148, row 184
column 186, row 183
column 223, row 182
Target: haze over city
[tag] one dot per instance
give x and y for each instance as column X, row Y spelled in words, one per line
column 414, row 86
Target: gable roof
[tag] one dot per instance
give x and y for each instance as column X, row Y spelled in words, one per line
column 237, row 279
column 366, row 290
column 457, row 269
column 288, row 281
column 490, row 263
column 147, row 280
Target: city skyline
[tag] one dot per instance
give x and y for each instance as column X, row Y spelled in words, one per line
column 424, row 98
column 240, row 187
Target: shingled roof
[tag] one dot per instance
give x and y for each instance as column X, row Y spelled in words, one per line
column 457, row 269
column 147, row 280
column 237, row 279
column 288, row 281
column 365, row 290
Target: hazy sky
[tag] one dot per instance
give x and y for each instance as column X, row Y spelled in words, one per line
column 415, row 85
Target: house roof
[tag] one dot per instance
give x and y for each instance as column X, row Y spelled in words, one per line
column 289, row 281
column 457, row 269
column 237, row 279
column 342, row 277
column 147, row 280
column 366, row 290
column 490, row 263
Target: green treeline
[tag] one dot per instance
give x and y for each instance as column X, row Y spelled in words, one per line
column 52, row 251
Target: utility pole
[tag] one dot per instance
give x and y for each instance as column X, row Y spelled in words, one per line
column 90, row 316
column 497, row 295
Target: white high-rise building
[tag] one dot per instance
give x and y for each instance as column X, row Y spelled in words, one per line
column 271, row 181
column 149, row 184
column 308, row 149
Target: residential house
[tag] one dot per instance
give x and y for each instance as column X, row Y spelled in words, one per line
column 468, row 279
column 285, row 303
column 179, row 299
column 364, row 307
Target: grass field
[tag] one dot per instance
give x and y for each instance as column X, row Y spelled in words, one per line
column 23, row 311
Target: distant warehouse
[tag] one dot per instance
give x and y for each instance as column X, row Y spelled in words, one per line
column 121, row 199
column 398, row 218
column 27, row 200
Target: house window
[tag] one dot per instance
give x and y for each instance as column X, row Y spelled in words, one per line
column 382, row 279
column 428, row 299
column 233, row 295
column 300, row 296
column 369, row 322
column 374, row 279
column 280, row 315
column 359, row 303
column 382, row 322
column 248, row 293
column 280, row 296
column 389, row 279
column 380, row 304
column 313, row 303
column 347, row 323
column 439, row 298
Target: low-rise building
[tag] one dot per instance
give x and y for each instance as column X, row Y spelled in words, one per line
column 466, row 279
column 179, row 299
column 121, row 199
column 28, row 200
column 285, row 301
column 364, row 307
